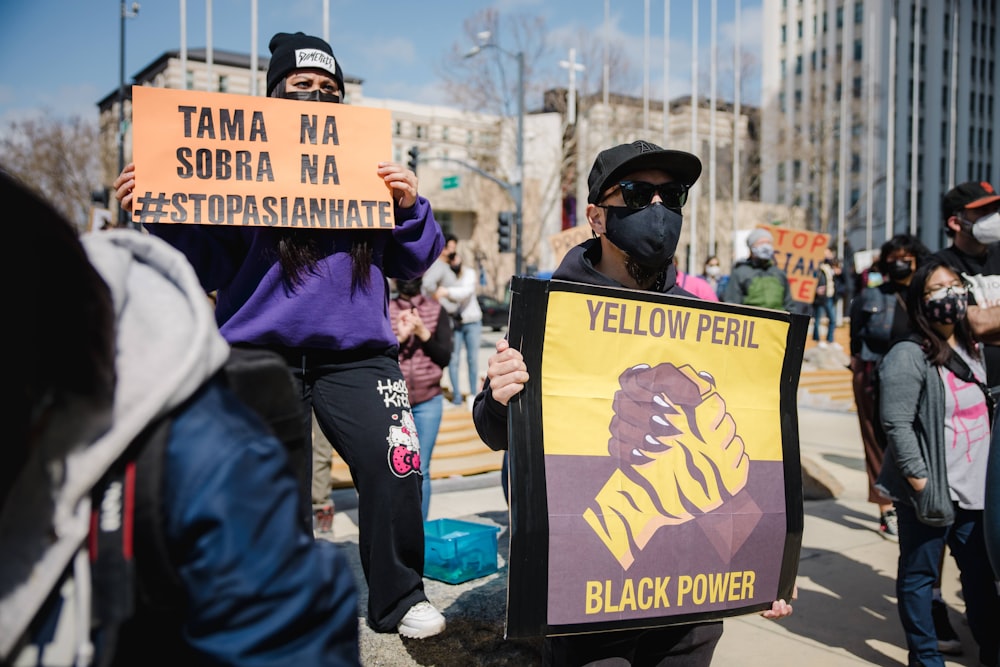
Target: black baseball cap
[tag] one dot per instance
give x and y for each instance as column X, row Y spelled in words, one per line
column 612, row 164
column 967, row 195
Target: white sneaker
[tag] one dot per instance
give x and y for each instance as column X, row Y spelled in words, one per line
column 422, row 621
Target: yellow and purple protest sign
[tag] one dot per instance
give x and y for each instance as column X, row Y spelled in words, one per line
column 237, row 160
column 655, row 472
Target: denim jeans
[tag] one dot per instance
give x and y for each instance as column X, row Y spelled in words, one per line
column 920, row 549
column 427, row 419
column 826, row 306
column 468, row 333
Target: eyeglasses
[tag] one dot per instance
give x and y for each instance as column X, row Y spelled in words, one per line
column 638, row 194
column 943, row 292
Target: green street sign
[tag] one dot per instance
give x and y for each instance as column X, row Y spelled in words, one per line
column 449, row 182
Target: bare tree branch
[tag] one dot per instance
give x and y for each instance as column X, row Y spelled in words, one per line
column 56, row 157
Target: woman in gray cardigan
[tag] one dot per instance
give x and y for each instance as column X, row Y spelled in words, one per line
column 936, row 413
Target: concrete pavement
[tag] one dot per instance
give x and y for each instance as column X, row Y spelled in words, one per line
column 845, row 612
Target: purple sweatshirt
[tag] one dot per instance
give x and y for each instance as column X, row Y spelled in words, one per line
column 254, row 306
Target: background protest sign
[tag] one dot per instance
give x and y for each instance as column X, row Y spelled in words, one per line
column 566, row 239
column 798, row 253
column 219, row 159
column 654, row 458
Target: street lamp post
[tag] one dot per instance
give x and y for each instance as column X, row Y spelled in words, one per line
column 125, row 14
column 516, row 189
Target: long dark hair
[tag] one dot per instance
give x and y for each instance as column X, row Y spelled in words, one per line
column 935, row 347
column 906, row 243
column 298, row 253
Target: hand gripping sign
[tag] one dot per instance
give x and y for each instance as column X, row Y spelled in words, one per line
column 655, row 473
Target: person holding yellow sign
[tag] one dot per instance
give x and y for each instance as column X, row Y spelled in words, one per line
column 637, row 191
column 320, row 299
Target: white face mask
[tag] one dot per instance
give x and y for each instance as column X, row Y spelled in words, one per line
column 987, row 229
column 713, row 271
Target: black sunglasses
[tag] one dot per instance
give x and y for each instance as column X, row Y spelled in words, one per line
column 638, row 194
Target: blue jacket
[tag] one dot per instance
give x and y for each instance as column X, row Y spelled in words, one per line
column 252, row 576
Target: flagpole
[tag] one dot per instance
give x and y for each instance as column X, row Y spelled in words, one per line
column 666, row 73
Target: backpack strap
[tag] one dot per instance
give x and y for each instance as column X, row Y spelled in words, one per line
column 122, row 523
column 956, row 364
column 159, row 585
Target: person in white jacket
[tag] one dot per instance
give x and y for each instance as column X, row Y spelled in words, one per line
column 460, row 300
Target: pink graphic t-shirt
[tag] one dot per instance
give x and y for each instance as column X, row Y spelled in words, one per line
column 966, row 435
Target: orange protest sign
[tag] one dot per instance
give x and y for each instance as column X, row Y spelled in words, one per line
column 798, row 253
column 219, row 159
column 566, row 239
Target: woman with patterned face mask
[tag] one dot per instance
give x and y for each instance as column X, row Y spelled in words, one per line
column 936, row 411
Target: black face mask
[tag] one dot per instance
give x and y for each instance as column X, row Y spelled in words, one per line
column 899, row 270
column 648, row 235
column 311, row 96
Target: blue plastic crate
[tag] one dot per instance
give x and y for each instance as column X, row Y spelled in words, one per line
column 457, row 551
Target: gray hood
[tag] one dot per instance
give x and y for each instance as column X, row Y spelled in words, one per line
column 167, row 347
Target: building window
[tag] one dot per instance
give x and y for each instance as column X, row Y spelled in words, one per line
column 223, row 83
column 840, row 17
column 798, row 29
column 855, row 163
column 397, row 128
column 859, row 12
column 857, row 50
column 856, row 87
column 825, row 16
column 421, row 131
column 784, row 34
column 781, row 67
column 444, row 133
column 189, row 80
column 798, row 64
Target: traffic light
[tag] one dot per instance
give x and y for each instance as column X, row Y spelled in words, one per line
column 505, row 221
column 414, row 154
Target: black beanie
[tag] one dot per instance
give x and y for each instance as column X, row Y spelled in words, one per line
column 300, row 51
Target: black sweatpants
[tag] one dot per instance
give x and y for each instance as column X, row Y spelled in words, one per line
column 363, row 409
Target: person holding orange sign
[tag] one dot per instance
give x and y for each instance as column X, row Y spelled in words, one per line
column 320, row 299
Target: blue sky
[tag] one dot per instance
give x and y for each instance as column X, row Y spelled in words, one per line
column 62, row 56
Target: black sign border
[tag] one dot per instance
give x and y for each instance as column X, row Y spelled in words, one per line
column 528, row 561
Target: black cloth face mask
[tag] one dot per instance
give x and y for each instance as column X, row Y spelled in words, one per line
column 649, row 235
column 311, row 96
column 899, row 270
